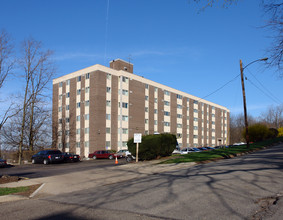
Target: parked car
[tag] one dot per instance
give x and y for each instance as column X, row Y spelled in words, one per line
column 203, row 149
column 123, row 153
column 177, row 150
column 187, row 150
column 47, row 156
column 105, row 154
column 3, row 163
column 210, row 148
column 196, row 149
column 69, row 157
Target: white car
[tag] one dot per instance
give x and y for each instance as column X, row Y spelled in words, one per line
column 187, row 150
column 123, row 153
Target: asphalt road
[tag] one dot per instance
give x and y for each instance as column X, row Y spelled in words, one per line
column 41, row 170
column 247, row 187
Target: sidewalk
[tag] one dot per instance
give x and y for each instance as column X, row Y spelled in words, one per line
column 71, row 182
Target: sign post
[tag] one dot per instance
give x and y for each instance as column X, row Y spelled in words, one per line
column 137, row 140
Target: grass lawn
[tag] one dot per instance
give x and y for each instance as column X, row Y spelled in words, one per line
column 221, row 153
column 7, row 191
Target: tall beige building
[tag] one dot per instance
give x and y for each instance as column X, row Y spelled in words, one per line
column 101, row 108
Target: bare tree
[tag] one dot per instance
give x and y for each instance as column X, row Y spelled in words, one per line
column 38, row 70
column 273, row 117
column 275, row 9
column 6, row 61
column 237, row 126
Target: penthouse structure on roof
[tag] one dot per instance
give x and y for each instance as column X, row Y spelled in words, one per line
column 102, row 107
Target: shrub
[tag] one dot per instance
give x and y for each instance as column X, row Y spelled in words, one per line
column 280, row 132
column 153, row 146
column 273, row 132
column 258, row 132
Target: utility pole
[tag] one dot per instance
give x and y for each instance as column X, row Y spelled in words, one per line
column 245, row 105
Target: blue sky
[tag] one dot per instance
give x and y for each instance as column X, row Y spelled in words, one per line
column 169, row 41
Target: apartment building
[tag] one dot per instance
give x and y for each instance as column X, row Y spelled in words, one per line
column 102, row 107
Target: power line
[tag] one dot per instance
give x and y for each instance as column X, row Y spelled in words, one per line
column 270, row 93
column 264, row 92
column 221, row 87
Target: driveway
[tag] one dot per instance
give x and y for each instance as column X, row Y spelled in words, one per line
column 247, row 187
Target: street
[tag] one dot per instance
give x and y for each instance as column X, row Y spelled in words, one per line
column 247, row 187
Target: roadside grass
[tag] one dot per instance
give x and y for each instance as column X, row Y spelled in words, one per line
column 221, row 153
column 7, row 190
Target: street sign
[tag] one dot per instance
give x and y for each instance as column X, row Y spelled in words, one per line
column 137, row 137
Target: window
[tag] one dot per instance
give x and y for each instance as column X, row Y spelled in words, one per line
column 179, row 125
column 166, row 103
column 167, row 113
column 60, row 109
column 78, row 144
column 155, row 122
column 155, row 100
column 213, row 115
column 125, row 92
column 195, row 110
column 179, row 96
column 78, row 131
column 124, row 117
column 179, row 116
column 156, row 89
column 124, row 79
column 68, row 82
column 68, row 95
column 108, row 89
column 60, row 84
column 60, row 97
column 167, row 124
column 146, row 121
column 108, row 130
column 146, row 98
column 195, row 136
column 78, row 117
column 108, row 144
column 87, row 103
column 87, row 76
column 86, row 116
column 166, row 92
column 124, row 105
column 78, row 104
column 79, row 78
column 67, row 107
column 195, row 102
column 196, row 128
column 195, row 119
column 86, row 89
column 108, row 103
column 67, row 132
column 125, row 131
column 146, row 109
column 108, row 117
column 67, row 145
column 86, row 130
column 67, row 120
column 155, row 111
column 108, row 76
column 78, row 91
column 146, row 86
column 60, row 120
column 86, row 143
column 179, row 106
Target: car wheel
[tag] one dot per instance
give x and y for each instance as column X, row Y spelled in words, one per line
column 94, row 157
column 110, row 157
column 45, row 161
column 33, row 161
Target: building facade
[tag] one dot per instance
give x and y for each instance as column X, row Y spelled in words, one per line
column 101, row 108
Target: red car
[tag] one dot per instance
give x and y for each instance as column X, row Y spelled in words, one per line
column 105, row 154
